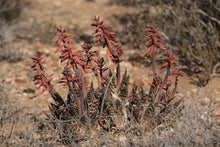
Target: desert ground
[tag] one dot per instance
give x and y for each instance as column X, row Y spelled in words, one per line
column 36, row 27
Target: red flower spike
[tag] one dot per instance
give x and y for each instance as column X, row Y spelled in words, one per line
column 100, row 67
column 83, row 72
column 117, row 53
column 40, row 78
column 86, row 54
column 67, row 77
column 59, row 48
column 177, row 73
column 146, row 52
column 166, row 82
column 103, row 35
column 152, row 43
column 169, row 59
column 62, row 39
column 68, row 54
column 101, row 64
column 153, row 39
column 73, row 59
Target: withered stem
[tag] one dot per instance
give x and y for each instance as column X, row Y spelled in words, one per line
column 56, row 97
column 163, row 83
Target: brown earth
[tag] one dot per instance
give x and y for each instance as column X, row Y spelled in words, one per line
column 17, row 77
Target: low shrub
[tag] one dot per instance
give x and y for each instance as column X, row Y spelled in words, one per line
column 190, row 28
column 112, row 107
column 9, row 12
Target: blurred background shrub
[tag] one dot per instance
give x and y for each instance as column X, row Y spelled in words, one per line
column 10, row 10
column 189, row 27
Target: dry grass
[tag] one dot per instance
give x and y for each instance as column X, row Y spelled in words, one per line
column 9, row 13
column 19, row 127
column 29, row 126
column 189, row 27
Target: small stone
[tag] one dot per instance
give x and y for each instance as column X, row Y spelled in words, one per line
column 126, row 64
column 46, row 51
column 102, row 52
column 217, row 112
column 205, row 101
column 138, row 83
column 20, row 81
column 8, row 80
column 29, row 90
column 217, row 101
column 57, row 4
column 194, row 90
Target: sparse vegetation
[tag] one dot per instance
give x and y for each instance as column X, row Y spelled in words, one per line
column 196, row 126
column 110, row 108
column 103, row 93
column 9, row 12
column 190, row 28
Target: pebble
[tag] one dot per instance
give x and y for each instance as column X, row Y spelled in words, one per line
column 194, row 90
column 205, row 101
column 8, row 80
column 57, row 4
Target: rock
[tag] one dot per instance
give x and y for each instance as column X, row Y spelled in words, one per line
column 194, row 90
column 20, row 81
column 7, row 80
column 57, row 4
column 29, row 90
column 205, row 101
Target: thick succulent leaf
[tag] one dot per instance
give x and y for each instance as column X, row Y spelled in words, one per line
column 93, row 112
column 90, row 95
column 112, row 86
column 133, row 97
column 72, row 110
column 160, row 106
column 170, row 112
column 145, row 99
column 55, row 110
column 123, row 89
column 150, row 111
column 105, row 120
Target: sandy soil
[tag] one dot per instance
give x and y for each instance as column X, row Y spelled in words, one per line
column 17, row 77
